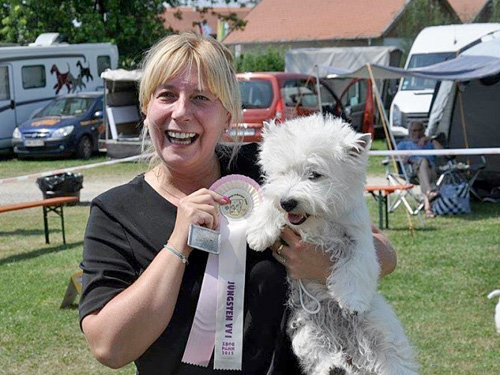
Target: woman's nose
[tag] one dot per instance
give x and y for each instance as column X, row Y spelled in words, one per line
column 182, row 109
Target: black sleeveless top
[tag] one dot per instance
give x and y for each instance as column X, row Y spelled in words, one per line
column 129, row 225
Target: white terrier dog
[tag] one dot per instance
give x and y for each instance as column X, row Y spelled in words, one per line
column 315, row 176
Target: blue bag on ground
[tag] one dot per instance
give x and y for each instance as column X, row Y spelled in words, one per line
column 454, row 198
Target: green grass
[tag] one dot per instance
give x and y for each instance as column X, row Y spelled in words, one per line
column 438, row 290
column 445, row 270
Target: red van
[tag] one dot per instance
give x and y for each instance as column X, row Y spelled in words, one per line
column 280, row 96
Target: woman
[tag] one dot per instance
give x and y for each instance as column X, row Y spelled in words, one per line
column 422, row 167
column 139, row 297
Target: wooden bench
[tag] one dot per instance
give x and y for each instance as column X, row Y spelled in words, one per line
column 381, row 192
column 48, row 205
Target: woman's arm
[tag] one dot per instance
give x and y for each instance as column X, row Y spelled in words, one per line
column 304, row 262
column 129, row 323
column 386, row 254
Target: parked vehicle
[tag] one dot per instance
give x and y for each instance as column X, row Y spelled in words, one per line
column 279, row 96
column 356, row 94
column 433, row 45
column 122, row 117
column 31, row 76
column 68, row 125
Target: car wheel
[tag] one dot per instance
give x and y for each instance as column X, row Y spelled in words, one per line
column 84, row 148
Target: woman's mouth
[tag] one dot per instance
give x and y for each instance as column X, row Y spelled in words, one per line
column 181, row 138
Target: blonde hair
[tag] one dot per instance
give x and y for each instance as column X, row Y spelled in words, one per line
column 214, row 63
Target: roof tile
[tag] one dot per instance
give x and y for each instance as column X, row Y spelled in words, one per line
column 190, row 16
column 467, row 10
column 285, row 20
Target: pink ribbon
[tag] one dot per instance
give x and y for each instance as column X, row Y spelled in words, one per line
column 201, row 341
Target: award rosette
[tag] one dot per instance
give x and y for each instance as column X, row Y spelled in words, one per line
column 218, row 321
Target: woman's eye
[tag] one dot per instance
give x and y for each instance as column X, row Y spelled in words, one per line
column 201, row 97
column 167, row 95
column 314, row 176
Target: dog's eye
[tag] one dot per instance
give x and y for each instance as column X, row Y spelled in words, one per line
column 314, row 176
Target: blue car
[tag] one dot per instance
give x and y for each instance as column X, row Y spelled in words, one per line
column 68, row 125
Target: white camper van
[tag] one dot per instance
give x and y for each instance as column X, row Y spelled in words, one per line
column 432, row 45
column 31, row 76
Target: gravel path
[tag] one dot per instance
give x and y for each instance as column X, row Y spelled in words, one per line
column 25, row 191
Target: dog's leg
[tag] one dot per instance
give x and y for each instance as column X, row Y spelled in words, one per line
column 264, row 226
column 392, row 353
column 308, row 344
column 354, row 278
column 315, row 359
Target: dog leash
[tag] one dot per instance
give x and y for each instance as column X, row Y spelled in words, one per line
column 303, row 289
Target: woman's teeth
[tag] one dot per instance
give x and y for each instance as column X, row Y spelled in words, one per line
column 181, row 138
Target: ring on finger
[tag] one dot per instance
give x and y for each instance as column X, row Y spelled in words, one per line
column 279, row 249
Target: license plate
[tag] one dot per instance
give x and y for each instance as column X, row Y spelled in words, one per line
column 242, row 132
column 34, row 143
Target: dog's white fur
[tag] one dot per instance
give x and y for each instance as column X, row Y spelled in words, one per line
column 320, row 163
column 496, row 293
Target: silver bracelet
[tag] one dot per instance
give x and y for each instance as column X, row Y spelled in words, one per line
column 172, row 250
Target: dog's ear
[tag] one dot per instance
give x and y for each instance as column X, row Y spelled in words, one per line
column 269, row 125
column 361, row 145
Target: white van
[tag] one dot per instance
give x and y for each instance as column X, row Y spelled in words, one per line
column 31, row 76
column 432, row 45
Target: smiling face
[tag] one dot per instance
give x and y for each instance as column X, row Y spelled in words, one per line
column 186, row 121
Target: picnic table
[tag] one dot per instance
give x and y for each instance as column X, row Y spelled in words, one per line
column 48, row 205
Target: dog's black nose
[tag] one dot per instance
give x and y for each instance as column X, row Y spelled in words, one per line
column 288, row 204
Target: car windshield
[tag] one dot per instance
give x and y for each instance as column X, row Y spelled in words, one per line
column 421, row 60
column 256, row 94
column 67, row 107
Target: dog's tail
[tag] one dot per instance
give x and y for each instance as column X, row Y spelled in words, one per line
column 495, row 293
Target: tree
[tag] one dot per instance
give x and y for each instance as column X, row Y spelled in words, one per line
column 269, row 60
column 133, row 25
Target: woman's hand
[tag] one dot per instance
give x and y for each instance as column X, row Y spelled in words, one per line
column 198, row 208
column 301, row 259
column 423, row 141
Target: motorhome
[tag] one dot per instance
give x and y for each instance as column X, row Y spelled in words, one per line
column 31, row 76
column 433, row 45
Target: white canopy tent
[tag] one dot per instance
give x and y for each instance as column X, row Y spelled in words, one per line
column 303, row 60
column 311, row 60
column 465, row 108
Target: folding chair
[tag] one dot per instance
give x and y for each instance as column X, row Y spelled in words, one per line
column 413, row 203
column 465, row 172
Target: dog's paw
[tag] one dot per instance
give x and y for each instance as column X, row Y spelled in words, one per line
column 296, row 323
column 262, row 231
column 258, row 241
column 354, row 301
column 353, row 305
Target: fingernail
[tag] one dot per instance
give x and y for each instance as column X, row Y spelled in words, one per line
column 226, row 199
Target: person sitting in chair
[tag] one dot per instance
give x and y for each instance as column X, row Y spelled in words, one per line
column 422, row 168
